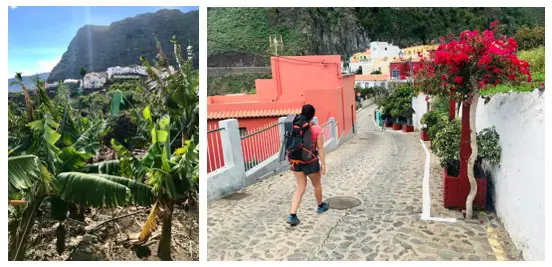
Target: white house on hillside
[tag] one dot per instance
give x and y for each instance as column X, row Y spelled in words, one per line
column 383, row 49
column 93, row 80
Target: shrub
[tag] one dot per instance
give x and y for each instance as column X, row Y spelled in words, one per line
column 433, row 117
column 488, row 145
column 535, row 57
column 528, row 38
column 446, row 143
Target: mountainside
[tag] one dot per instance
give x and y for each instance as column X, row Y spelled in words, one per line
column 240, row 36
column 27, row 80
column 123, row 42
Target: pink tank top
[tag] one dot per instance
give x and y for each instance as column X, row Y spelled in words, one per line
column 315, row 132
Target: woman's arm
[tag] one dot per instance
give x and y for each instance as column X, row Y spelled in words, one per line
column 321, row 156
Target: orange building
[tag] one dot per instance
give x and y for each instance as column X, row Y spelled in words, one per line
column 297, row 80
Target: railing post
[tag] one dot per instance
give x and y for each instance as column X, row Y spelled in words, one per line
column 282, row 131
column 231, row 145
column 333, row 129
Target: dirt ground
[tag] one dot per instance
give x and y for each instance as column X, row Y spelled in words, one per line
column 112, row 241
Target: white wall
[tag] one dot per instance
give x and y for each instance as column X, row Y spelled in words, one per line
column 419, row 105
column 519, row 180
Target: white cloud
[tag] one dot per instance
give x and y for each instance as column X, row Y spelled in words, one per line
column 47, row 65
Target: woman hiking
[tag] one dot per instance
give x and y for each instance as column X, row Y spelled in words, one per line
column 314, row 170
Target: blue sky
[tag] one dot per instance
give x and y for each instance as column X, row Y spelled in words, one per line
column 38, row 36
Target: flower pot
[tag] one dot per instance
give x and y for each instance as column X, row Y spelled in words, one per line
column 408, row 128
column 451, row 192
column 388, row 124
column 424, row 136
column 396, row 126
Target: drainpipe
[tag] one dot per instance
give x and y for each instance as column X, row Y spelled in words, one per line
column 278, row 79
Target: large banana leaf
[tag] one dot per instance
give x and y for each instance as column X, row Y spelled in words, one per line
column 129, row 164
column 141, row 193
column 91, row 190
column 111, row 167
column 90, row 136
column 23, row 172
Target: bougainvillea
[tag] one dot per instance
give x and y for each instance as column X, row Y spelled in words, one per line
column 472, row 61
column 460, row 68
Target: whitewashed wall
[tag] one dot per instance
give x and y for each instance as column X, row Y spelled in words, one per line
column 419, row 105
column 519, row 180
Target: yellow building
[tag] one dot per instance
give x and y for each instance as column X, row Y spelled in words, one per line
column 414, row 50
column 360, row 57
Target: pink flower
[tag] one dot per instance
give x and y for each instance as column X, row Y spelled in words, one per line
column 458, row 79
column 494, row 23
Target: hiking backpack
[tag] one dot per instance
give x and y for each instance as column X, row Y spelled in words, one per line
column 298, row 144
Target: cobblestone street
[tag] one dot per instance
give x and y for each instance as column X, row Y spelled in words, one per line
column 382, row 169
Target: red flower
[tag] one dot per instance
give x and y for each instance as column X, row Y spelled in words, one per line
column 443, row 77
column 494, row 23
column 403, row 77
column 458, row 79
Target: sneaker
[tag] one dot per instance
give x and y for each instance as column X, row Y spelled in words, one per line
column 293, row 220
column 324, row 207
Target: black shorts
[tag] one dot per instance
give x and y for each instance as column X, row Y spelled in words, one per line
column 308, row 168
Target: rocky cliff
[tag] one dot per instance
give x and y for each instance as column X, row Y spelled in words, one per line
column 123, row 42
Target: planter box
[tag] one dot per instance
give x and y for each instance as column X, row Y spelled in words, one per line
column 388, row 124
column 451, row 192
column 424, row 136
column 396, row 126
column 408, row 128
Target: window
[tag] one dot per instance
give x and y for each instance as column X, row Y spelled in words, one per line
column 395, row 74
column 386, row 49
column 243, row 131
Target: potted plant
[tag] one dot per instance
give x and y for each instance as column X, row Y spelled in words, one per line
column 432, row 121
column 460, row 69
column 446, row 146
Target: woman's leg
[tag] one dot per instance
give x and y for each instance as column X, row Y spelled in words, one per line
column 316, row 180
column 301, row 185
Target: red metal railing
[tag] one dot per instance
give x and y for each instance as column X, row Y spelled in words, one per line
column 260, row 144
column 215, row 156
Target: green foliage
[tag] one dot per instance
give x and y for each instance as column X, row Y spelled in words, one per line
column 341, row 31
column 434, row 120
column 488, row 145
column 100, row 190
column 530, row 38
column 234, row 83
column 23, row 173
column 446, row 143
column 536, row 58
column 375, row 72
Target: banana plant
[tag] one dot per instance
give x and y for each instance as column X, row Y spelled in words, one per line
column 171, row 174
column 28, row 177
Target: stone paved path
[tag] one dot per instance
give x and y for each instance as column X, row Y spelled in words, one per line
column 384, row 170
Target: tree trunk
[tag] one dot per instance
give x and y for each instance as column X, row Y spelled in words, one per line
column 17, row 252
column 60, row 238
column 473, row 157
column 164, row 249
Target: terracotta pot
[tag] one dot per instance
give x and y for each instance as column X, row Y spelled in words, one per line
column 396, row 126
column 451, row 193
column 424, row 136
column 388, row 124
column 408, row 128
